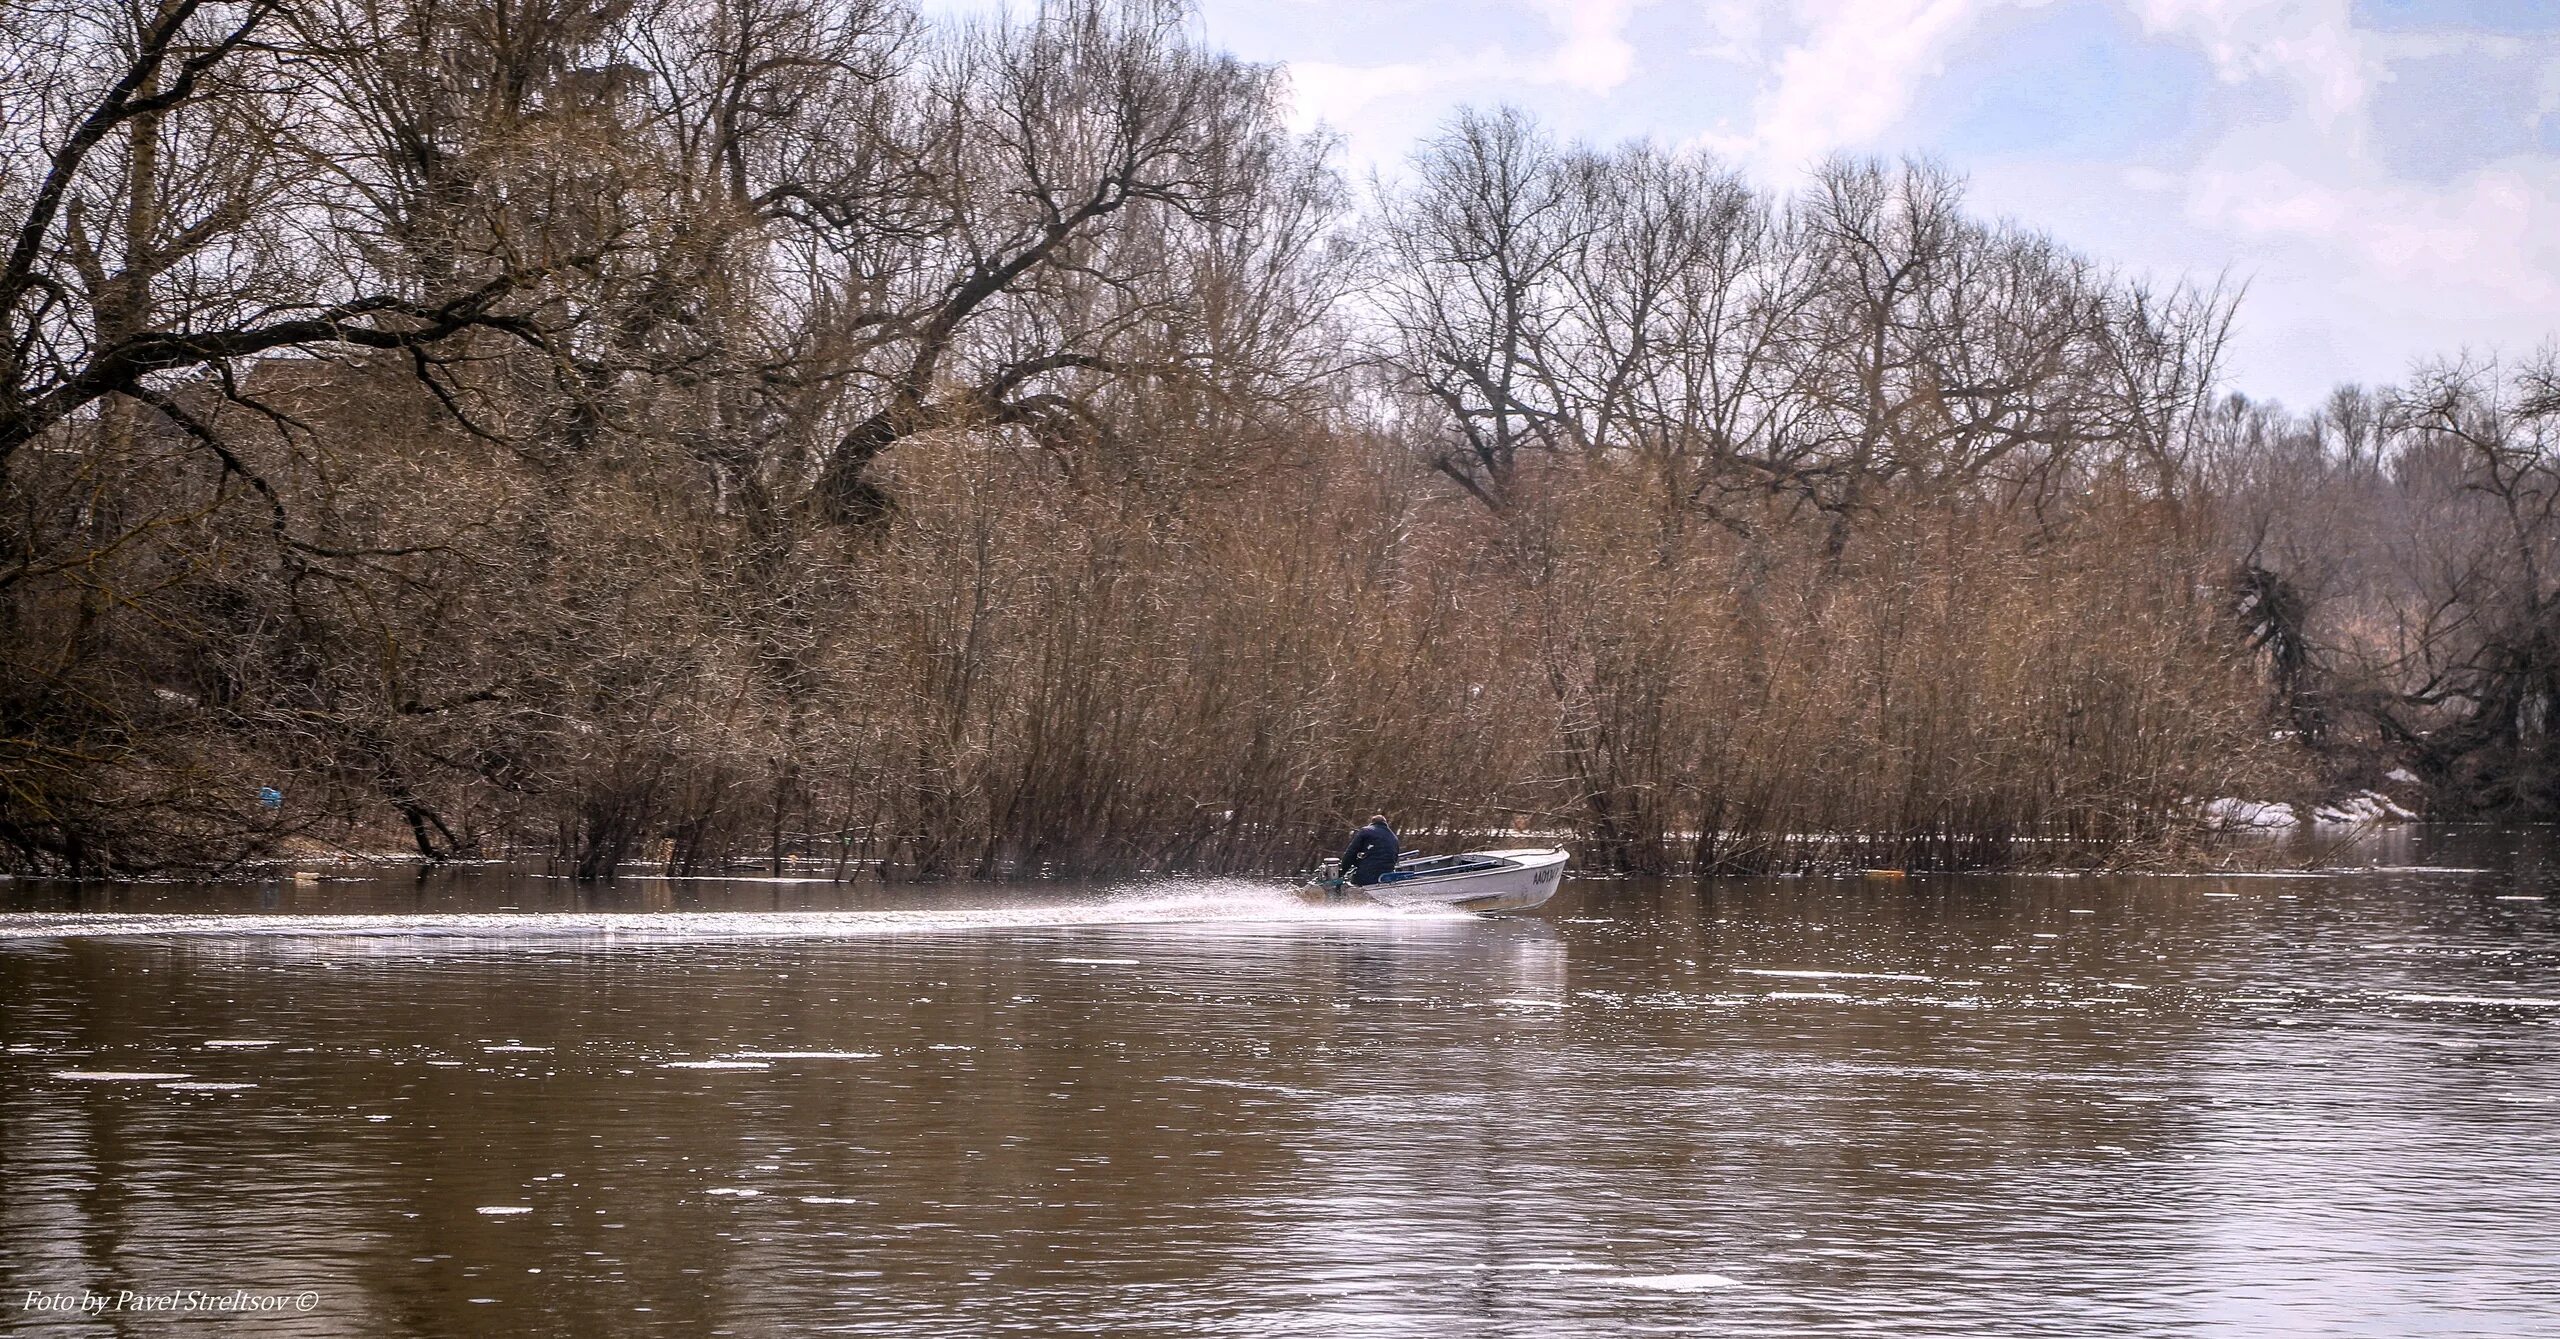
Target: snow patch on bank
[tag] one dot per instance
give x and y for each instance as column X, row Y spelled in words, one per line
column 2233, row 814
column 2237, row 815
column 2365, row 806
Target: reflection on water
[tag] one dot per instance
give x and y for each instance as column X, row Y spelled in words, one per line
column 1950, row 1106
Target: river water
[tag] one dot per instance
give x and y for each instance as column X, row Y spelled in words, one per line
column 1963, row 1106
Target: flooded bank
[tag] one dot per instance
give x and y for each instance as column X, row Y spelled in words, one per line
column 1944, row 1105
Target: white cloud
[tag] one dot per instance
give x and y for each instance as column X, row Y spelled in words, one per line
column 2358, row 269
column 2493, row 233
column 2374, row 274
column 1849, row 72
column 2354, row 270
column 1595, row 56
column 1592, row 55
column 1338, row 94
column 2303, row 176
column 2310, row 45
column 1734, row 29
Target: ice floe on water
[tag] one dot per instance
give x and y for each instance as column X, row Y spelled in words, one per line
column 2508, row 1001
column 808, row 1055
column 241, row 1044
column 1677, row 1283
column 1248, row 1085
column 203, row 1087
column 715, row 1064
column 503, row 1210
column 116, row 1076
column 1818, row 974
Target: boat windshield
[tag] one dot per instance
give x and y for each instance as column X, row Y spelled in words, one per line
column 1441, row 866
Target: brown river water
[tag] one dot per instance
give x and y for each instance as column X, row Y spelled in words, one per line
column 499, row 1104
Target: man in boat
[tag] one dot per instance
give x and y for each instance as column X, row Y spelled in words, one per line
column 1372, row 852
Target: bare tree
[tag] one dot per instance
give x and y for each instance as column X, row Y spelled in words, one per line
column 164, row 216
column 1064, row 160
column 2478, row 658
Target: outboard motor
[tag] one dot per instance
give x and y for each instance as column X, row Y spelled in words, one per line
column 1328, row 885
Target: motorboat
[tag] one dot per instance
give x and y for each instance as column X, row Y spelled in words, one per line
column 1475, row 881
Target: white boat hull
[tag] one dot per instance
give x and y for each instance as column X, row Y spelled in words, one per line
column 1517, row 881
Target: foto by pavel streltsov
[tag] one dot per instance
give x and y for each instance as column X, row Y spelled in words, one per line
column 237, row 1301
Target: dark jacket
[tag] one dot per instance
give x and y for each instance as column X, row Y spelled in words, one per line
column 1372, row 852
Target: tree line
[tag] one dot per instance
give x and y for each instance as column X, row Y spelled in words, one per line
column 678, row 433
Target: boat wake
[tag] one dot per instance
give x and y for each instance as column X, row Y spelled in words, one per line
column 1201, row 902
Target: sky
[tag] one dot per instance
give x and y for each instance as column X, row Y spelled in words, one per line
column 2382, row 175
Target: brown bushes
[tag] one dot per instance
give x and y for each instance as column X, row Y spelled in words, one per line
column 1020, row 674
column 832, row 474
